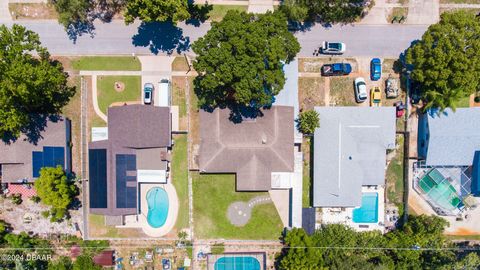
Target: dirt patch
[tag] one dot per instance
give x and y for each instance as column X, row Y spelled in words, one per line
column 314, row 64
column 311, row 92
column 119, row 86
column 179, row 99
column 23, row 11
column 341, row 91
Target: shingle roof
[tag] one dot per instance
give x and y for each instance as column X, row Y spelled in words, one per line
column 454, row 137
column 16, row 157
column 141, row 131
column 349, row 152
column 252, row 149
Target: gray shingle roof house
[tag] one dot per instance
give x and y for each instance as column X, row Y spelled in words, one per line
column 139, row 137
column 252, row 149
column 350, row 152
column 22, row 159
column 450, row 138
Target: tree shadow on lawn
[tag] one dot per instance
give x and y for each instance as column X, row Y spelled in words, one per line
column 161, row 37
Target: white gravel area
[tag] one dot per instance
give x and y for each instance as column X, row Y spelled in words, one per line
column 14, row 215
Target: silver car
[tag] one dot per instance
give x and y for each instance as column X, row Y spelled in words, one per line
column 333, row 47
column 360, row 90
column 147, row 93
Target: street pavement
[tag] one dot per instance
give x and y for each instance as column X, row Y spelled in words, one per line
column 117, row 38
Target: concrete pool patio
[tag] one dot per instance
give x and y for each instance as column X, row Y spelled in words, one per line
column 140, row 220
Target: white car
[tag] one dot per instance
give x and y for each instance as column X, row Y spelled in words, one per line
column 360, row 90
column 147, row 93
column 333, row 47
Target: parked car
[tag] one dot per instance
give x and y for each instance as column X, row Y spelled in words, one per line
column 375, row 69
column 337, row 69
column 332, row 47
column 147, row 93
column 375, row 97
column 360, row 90
column 391, row 87
column 399, row 108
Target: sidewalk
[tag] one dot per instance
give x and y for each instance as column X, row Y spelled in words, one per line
column 4, row 12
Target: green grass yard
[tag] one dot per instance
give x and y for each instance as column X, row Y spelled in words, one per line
column 108, row 95
column 180, row 178
column 107, row 63
column 219, row 11
column 213, row 193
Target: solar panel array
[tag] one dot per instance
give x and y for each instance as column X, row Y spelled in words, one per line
column 49, row 157
column 98, row 178
column 126, row 185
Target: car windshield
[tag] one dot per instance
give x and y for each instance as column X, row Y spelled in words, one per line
column 147, row 94
column 336, row 46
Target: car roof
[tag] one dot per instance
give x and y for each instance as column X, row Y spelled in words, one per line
column 376, row 60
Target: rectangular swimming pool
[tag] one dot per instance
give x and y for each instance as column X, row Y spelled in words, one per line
column 237, row 263
column 368, row 212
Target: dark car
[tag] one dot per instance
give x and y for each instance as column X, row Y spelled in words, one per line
column 337, row 69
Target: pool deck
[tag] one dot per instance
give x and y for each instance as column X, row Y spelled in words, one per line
column 345, row 215
column 140, row 220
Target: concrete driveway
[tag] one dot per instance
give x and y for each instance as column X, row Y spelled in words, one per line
column 155, row 68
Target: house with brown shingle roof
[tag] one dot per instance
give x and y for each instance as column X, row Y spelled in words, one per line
column 254, row 149
column 137, row 151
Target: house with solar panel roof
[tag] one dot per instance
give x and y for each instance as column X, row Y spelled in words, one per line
column 22, row 159
column 129, row 171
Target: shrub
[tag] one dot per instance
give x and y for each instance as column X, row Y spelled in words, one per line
column 17, row 199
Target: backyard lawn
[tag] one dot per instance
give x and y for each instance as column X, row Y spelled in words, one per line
column 395, row 186
column 107, row 94
column 97, row 228
column 107, row 63
column 180, row 178
column 213, row 193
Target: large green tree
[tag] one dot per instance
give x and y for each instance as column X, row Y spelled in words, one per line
column 156, row 10
column 446, row 61
column 73, row 13
column 31, row 84
column 419, row 244
column 240, row 59
column 325, row 11
column 55, row 190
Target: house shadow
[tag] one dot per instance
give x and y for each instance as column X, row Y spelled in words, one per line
column 33, row 129
column 161, row 37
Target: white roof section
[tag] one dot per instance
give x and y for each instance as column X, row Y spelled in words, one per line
column 99, row 134
column 152, row 176
column 454, row 137
column 350, row 152
column 282, row 180
column 163, row 94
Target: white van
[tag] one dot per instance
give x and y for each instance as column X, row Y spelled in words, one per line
column 164, row 93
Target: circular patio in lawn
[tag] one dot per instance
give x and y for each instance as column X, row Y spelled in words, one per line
column 239, row 213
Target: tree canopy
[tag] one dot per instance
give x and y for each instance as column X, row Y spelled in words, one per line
column 55, row 190
column 446, row 61
column 31, row 84
column 308, row 121
column 156, row 10
column 325, row 11
column 240, row 60
column 73, row 14
column 340, row 247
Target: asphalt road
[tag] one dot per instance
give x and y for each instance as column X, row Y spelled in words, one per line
column 117, row 38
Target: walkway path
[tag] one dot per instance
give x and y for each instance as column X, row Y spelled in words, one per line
column 4, row 11
column 239, row 213
column 260, row 6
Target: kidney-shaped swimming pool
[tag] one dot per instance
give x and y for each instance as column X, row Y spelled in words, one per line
column 157, row 200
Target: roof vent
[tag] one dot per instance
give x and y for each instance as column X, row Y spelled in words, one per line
column 264, row 139
column 350, row 157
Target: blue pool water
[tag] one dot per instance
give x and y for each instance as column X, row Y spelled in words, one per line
column 368, row 212
column 237, row 263
column 157, row 199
